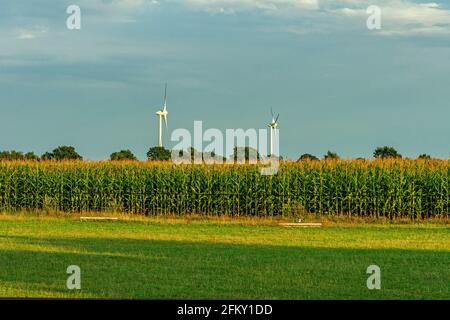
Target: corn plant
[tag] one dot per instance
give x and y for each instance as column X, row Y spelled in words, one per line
column 388, row 188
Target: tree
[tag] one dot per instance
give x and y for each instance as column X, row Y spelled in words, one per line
column 308, row 156
column 62, row 153
column 31, row 156
column 425, row 157
column 122, row 155
column 386, row 152
column 194, row 154
column 17, row 155
column 191, row 154
column 159, row 154
column 11, row 155
column 331, row 156
column 212, row 157
column 47, row 156
column 247, row 153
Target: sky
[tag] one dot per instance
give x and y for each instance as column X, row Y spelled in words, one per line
column 336, row 84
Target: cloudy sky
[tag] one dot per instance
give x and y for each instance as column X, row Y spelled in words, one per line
column 337, row 85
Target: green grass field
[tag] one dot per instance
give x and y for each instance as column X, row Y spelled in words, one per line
column 157, row 259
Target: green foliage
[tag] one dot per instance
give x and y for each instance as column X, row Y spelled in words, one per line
column 11, row 155
column 386, row 152
column 308, row 156
column 122, row 155
column 424, row 157
column 331, row 156
column 376, row 188
column 159, row 154
column 31, row 156
column 62, row 153
column 194, row 154
column 16, row 155
column 245, row 154
column 47, row 156
column 207, row 157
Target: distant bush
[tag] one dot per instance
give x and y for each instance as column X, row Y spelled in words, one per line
column 122, row 155
column 159, row 154
column 62, row 153
column 331, row 156
column 17, row 156
column 245, row 154
column 308, row 156
column 47, row 156
column 386, row 152
column 31, row 156
column 424, row 157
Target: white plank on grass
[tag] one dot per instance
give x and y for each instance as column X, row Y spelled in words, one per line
column 98, row 219
column 304, row 225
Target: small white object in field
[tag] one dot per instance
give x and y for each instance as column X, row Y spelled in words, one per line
column 304, row 225
column 98, row 219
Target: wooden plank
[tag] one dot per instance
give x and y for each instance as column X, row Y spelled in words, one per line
column 98, row 219
column 304, row 225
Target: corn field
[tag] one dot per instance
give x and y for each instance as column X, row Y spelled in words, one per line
column 391, row 188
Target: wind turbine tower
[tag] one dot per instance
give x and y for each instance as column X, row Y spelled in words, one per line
column 273, row 126
column 162, row 114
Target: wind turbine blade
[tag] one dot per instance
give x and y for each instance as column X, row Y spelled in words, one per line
column 271, row 111
column 165, row 96
column 276, row 120
column 167, row 127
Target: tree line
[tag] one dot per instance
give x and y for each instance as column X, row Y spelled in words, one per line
column 161, row 154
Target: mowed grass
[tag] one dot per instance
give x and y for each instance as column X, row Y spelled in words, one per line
column 157, row 259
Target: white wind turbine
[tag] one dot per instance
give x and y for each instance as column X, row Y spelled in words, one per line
column 162, row 114
column 273, row 126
